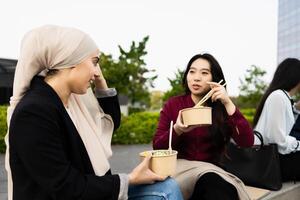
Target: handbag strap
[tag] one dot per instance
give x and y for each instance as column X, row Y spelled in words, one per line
column 291, row 100
column 260, row 137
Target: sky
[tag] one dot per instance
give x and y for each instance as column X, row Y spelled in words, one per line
column 238, row 33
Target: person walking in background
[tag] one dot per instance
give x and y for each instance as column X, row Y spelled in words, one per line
column 200, row 148
column 59, row 138
column 276, row 115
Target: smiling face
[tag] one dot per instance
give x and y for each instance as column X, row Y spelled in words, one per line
column 198, row 76
column 80, row 76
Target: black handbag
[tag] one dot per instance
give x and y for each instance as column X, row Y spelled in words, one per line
column 256, row 166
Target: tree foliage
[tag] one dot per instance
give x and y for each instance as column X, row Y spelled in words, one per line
column 156, row 100
column 129, row 73
column 252, row 87
column 176, row 85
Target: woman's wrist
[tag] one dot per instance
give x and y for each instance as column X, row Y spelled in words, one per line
column 132, row 179
column 230, row 107
column 177, row 130
column 100, row 83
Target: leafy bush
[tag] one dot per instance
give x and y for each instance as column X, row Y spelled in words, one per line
column 248, row 114
column 137, row 128
column 132, row 110
column 3, row 128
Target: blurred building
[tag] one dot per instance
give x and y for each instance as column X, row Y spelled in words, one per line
column 288, row 29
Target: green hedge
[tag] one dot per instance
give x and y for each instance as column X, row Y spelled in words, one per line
column 3, row 127
column 137, row 128
column 132, row 110
column 249, row 114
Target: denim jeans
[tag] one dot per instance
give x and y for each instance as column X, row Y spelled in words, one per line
column 165, row 190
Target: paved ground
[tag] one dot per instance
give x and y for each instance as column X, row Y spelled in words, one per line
column 125, row 158
column 3, row 179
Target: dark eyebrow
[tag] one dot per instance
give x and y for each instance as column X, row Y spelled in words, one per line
column 203, row 69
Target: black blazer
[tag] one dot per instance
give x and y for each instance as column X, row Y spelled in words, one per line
column 48, row 159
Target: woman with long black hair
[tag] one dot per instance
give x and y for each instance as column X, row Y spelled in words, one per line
column 276, row 115
column 200, row 148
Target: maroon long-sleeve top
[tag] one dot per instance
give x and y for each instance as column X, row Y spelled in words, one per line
column 196, row 144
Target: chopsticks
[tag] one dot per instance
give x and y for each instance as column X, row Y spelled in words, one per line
column 207, row 96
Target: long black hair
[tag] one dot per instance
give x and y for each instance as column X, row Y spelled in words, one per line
column 286, row 77
column 219, row 130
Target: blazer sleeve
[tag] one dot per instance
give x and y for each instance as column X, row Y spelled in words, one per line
column 36, row 137
column 111, row 106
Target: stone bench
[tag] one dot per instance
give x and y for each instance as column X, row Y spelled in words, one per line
column 289, row 191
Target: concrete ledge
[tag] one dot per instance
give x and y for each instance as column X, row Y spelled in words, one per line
column 289, row 191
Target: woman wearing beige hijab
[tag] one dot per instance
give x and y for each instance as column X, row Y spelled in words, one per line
column 59, row 138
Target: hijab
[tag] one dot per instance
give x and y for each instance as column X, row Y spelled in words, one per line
column 55, row 47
